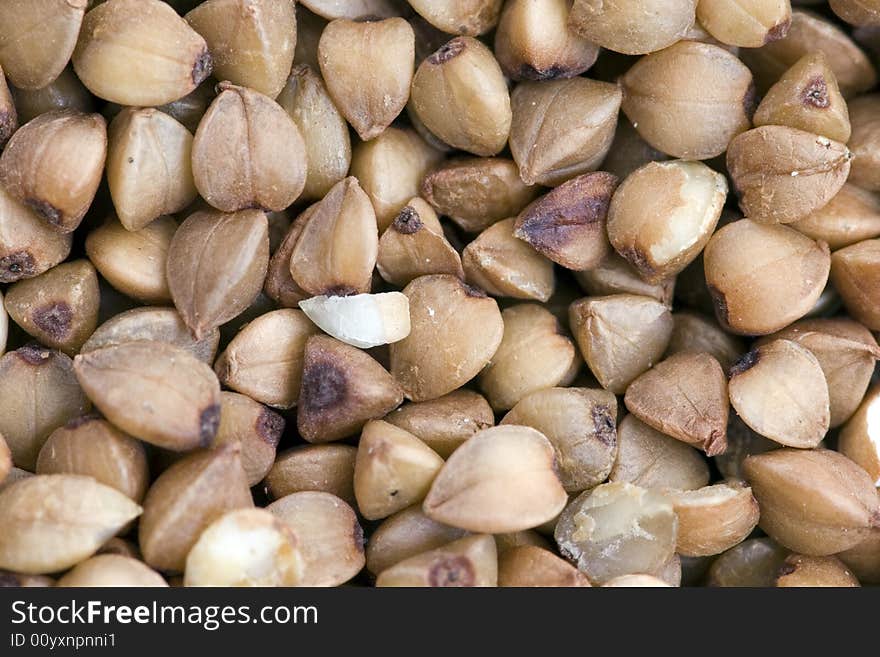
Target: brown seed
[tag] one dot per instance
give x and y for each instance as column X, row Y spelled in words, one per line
column 567, row 225
column 864, row 113
column 477, row 192
column 634, row 29
column 505, row 266
column 330, row 539
column 368, row 69
column 253, row 426
column 811, row 33
column 779, row 390
column 864, row 559
column 459, row 93
column 338, row 243
column 753, row 563
column 279, row 285
column 443, row 424
column 93, row 447
column 782, row 174
column 533, row 42
column 533, row 355
column 816, row 502
column 134, row 262
column 851, row 216
column 714, row 518
column 635, row 581
column 154, row 391
column 581, row 425
column 857, row 12
column 245, row 547
column 322, row 127
column 109, row 570
column 38, row 38
column 694, row 333
column 9, row 121
column 799, row 570
column 251, row 41
column 248, row 153
column 614, row 275
column 617, row 529
column 53, row 165
column 469, row 561
column 763, row 277
column 65, row 92
column 390, row 169
column 807, row 98
column 846, row 352
column 185, row 499
column 414, row 245
column 342, row 389
column 562, row 128
column 393, row 470
column 663, row 235
column 502, row 479
column 746, row 23
column 149, row 166
column 326, row 468
column 216, row 266
column 676, row 110
column 28, row 245
column 528, row 565
column 620, row 336
column 38, row 394
column 123, row 53
column 265, row 359
column 859, row 438
column 60, row 307
column 152, row 324
column 684, row 396
column 650, row 459
column 854, row 274
column 53, row 522
column 406, row 534
column 470, row 17
column 353, row 9
column 445, row 312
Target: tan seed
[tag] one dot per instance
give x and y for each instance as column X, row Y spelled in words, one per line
column 632, row 29
column 139, row 53
column 746, row 23
column 754, row 563
column 154, row 391
column 469, row 561
column 614, row 275
column 502, row 479
column 715, row 518
column 693, row 332
column 393, row 470
column 53, row 522
column 859, row 439
column 471, row 17
column 803, row 571
column 532, row 566
column 851, row 216
column 854, row 274
column 330, row 539
column 112, row 570
column 253, row 426
column 323, row 468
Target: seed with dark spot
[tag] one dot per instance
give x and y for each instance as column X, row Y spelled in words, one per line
column 45, row 209
column 472, row 291
column 16, row 266
column 340, row 291
column 324, row 386
column 778, row 31
column 747, row 362
column 452, row 571
column 447, row 52
column 529, row 72
column 815, row 94
column 54, row 319
column 34, row 354
column 209, row 422
column 203, row 67
column 270, row 426
column 408, row 221
column 786, row 569
column 604, row 425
